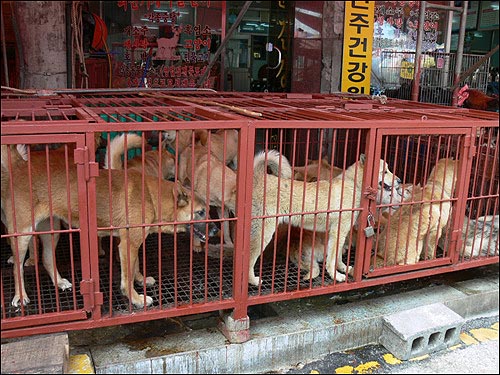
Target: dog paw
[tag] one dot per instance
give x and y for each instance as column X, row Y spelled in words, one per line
column 307, row 276
column 64, row 284
column 17, row 299
column 30, row 262
column 340, row 277
column 140, row 301
column 254, row 280
column 150, row 281
column 10, row 260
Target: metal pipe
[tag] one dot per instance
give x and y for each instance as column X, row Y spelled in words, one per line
column 471, row 70
column 445, row 7
column 418, row 52
column 4, row 50
column 460, row 53
column 225, row 41
column 101, row 90
column 447, row 47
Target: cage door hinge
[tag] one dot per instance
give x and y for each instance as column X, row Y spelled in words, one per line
column 87, row 289
column 91, row 169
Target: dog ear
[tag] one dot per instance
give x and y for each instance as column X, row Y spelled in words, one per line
column 22, row 149
column 298, row 173
column 182, row 194
column 201, row 135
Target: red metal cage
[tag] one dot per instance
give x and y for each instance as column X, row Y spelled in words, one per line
column 64, row 140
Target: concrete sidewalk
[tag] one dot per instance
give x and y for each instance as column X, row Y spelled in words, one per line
column 283, row 333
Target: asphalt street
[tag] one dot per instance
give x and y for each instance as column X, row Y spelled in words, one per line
column 476, row 354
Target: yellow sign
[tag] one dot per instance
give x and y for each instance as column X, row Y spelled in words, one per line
column 406, row 69
column 358, row 43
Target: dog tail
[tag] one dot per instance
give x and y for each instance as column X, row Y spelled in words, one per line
column 270, row 159
column 117, row 149
column 20, row 153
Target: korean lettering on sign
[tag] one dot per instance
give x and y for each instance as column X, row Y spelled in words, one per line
column 358, row 40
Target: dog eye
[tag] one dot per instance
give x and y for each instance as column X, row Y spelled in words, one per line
column 200, row 213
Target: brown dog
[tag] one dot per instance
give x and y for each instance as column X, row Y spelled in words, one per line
column 176, row 205
column 315, row 170
column 207, row 169
column 274, row 190
column 413, row 231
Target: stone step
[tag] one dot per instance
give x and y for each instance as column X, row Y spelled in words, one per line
column 47, row 354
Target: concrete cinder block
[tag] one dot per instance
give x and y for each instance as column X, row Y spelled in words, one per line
column 421, row 330
column 236, row 331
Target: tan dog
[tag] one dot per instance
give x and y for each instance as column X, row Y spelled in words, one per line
column 314, row 169
column 413, row 231
column 174, row 143
column 389, row 194
column 276, row 194
column 223, row 145
column 212, row 180
column 176, row 205
column 17, row 153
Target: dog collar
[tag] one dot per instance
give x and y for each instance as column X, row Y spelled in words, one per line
column 171, row 150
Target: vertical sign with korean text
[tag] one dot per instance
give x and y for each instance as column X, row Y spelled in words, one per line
column 358, row 39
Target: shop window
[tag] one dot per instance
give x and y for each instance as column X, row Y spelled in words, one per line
column 165, row 44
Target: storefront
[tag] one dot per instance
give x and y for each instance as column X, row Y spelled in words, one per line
column 278, row 46
column 171, row 44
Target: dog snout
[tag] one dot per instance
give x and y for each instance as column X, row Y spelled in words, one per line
column 213, row 230
column 385, row 186
column 153, row 138
column 203, row 232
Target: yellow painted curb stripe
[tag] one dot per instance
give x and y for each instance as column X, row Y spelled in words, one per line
column 368, row 367
column 391, row 360
column 484, row 334
column 425, row 356
column 344, row 370
column 495, row 326
column 80, row 364
column 467, row 340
